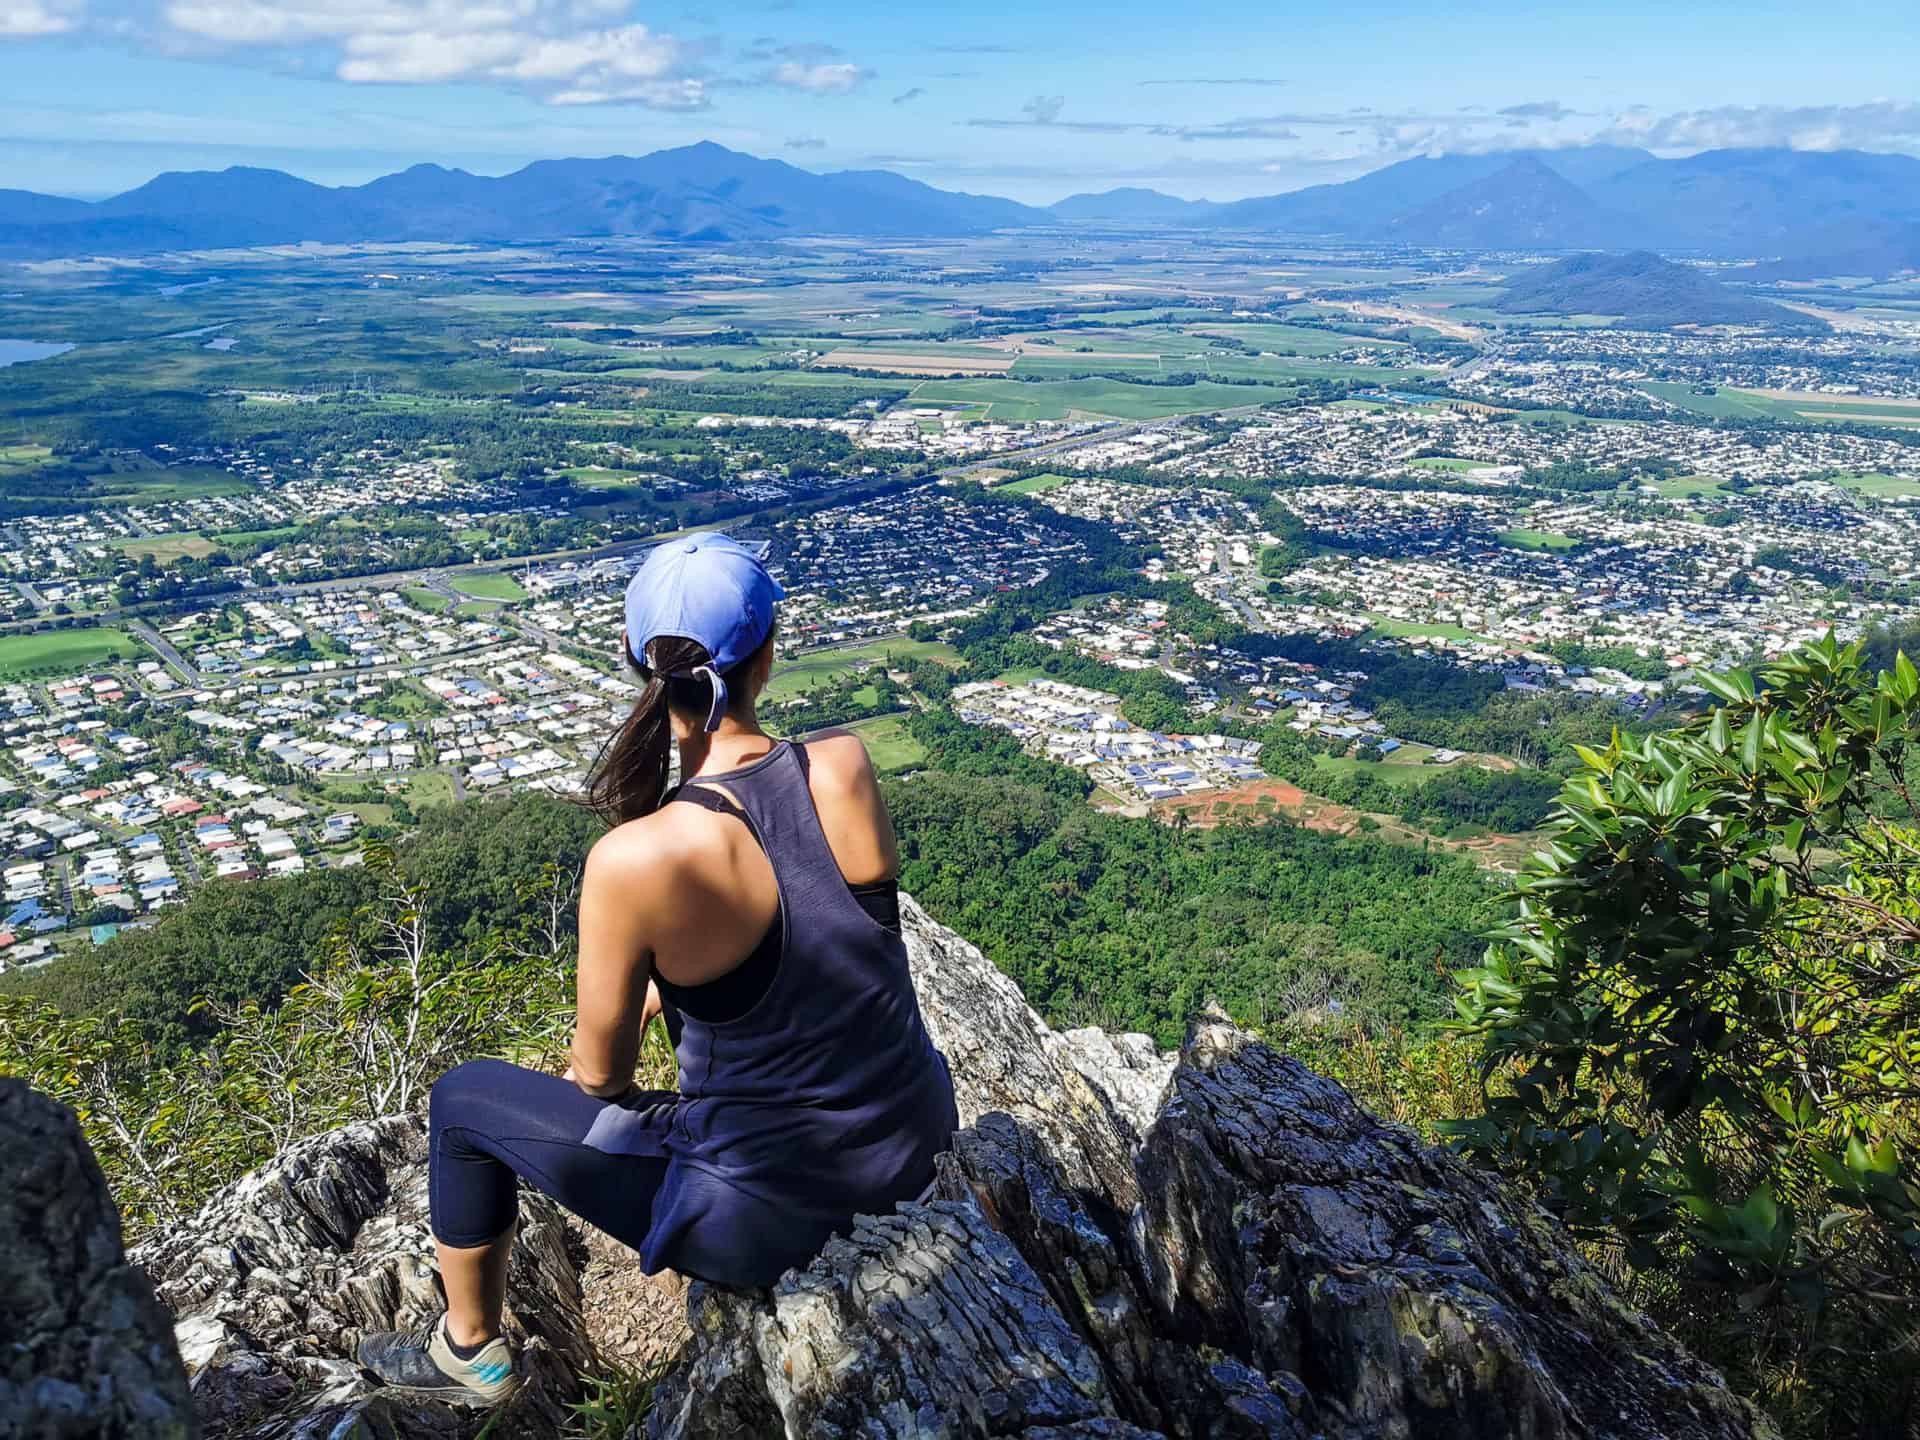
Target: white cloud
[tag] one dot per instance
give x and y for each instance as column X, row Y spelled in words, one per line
column 818, row 79
column 21, row 18
column 1876, row 125
column 566, row 52
column 1044, row 109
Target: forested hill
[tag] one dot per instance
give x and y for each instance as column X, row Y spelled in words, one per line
column 1645, row 292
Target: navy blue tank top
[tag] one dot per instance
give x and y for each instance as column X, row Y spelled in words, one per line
column 826, row 1099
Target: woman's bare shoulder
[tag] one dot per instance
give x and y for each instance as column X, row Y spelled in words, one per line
column 840, row 757
column 654, row 849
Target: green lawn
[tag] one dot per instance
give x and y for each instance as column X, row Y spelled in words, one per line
column 1537, row 540
column 1383, row 628
column 489, row 587
column 256, row 537
column 1034, row 484
column 62, row 652
column 1021, row 675
column 165, row 549
column 888, row 742
column 1688, row 487
column 1884, row 487
column 23, row 457
column 1393, row 770
column 1815, row 409
column 183, row 482
column 421, row 598
column 794, row 676
column 1055, row 400
column 1444, row 462
column 429, row 788
column 476, row 609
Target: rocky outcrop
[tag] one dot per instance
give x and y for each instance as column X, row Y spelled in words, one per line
column 84, row 1349
column 1226, row 1247
column 277, row 1277
column 1121, row 1244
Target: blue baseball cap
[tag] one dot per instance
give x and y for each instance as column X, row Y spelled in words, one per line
column 709, row 589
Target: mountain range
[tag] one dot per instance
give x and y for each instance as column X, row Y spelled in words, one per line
column 1786, row 208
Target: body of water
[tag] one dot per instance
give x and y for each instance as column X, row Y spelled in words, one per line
column 172, row 290
column 18, row 352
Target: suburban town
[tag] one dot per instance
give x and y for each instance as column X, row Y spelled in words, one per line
column 271, row 650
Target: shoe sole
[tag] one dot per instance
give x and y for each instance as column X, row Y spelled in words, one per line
column 453, row 1395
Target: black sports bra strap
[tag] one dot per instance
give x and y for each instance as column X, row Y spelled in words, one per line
column 806, row 763
column 710, row 799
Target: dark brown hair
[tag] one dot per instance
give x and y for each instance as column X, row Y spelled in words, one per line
column 629, row 776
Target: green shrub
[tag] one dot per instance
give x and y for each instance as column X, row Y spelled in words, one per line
column 1706, row 1021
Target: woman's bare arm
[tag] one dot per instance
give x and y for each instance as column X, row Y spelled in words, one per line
column 616, row 966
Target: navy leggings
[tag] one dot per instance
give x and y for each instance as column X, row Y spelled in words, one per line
column 489, row 1121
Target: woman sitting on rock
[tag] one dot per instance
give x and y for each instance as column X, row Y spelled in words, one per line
column 755, row 909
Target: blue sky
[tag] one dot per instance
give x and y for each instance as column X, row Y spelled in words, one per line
column 1034, row 100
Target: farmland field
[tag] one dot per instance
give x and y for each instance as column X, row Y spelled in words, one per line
column 895, row 362
column 62, row 652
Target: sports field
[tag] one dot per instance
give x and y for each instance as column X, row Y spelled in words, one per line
column 1537, row 540
column 1034, row 484
column 62, row 652
column 1882, row 487
column 489, row 587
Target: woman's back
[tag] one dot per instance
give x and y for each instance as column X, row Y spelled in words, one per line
column 825, row 1097
column 724, row 894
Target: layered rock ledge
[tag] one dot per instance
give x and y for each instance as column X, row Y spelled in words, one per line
column 1121, row 1244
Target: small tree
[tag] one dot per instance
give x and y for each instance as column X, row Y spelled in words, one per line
column 1704, row 1020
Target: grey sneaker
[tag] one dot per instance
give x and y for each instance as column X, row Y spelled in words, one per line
column 422, row 1363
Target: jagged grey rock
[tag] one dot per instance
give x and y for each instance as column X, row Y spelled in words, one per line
column 84, row 1348
column 1119, row 1247
column 1275, row 1262
column 1129, row 1069
column 277, row 1277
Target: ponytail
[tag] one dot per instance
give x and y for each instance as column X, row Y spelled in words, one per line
column 629, row 777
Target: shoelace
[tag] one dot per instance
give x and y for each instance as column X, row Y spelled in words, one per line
column 418, row 1339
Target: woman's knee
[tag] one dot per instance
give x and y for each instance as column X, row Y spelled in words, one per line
column 462, row 1095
